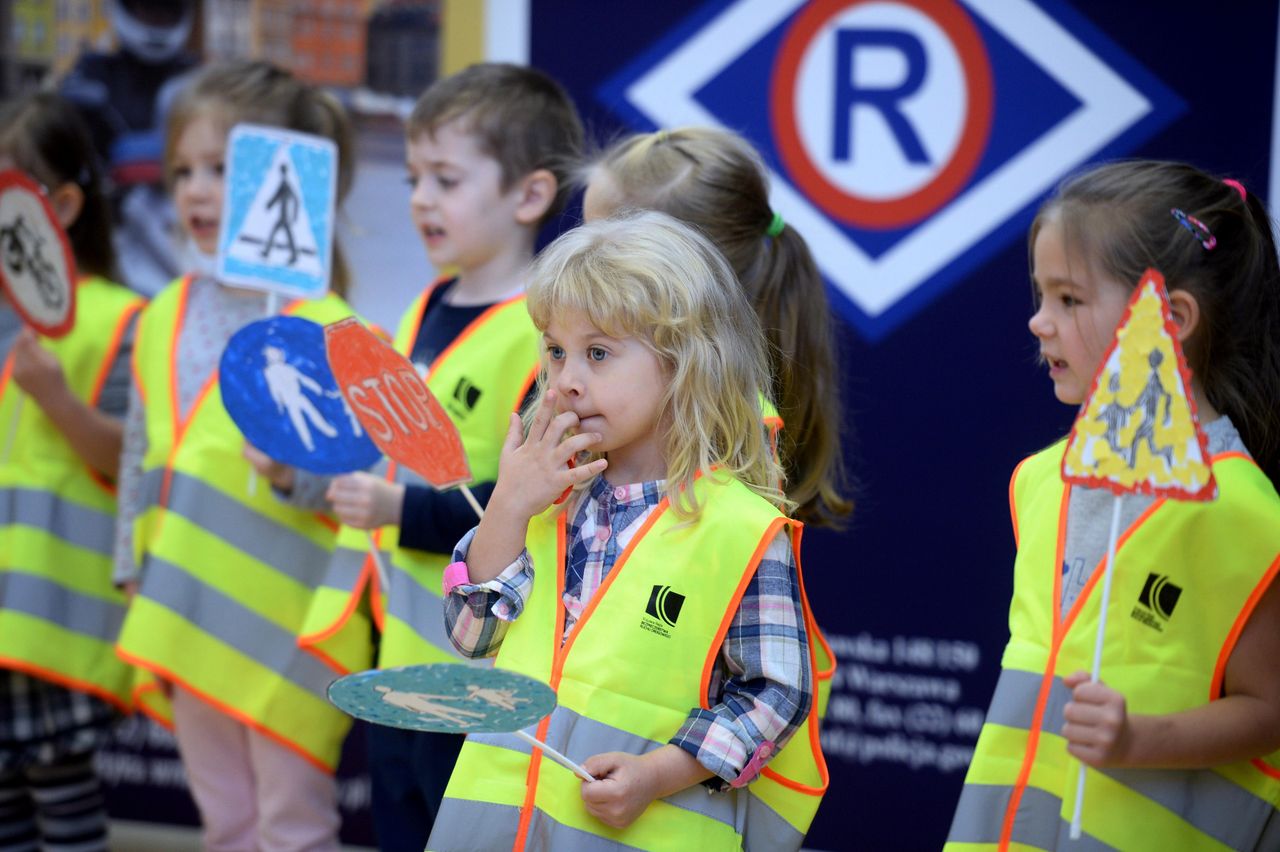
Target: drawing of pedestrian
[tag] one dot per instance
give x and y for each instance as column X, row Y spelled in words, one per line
column 287, row 200
column 286, row 383
column 429, row 705
column 1149, row 402
column 504, row 698
column 1114, row 415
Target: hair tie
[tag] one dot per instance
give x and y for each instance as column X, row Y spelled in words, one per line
column 775, row 225
column 1238, row 187
column 1196, row 227
column 660, row 136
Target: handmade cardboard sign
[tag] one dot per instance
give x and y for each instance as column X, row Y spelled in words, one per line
column 395, row 406
column 1138, row 431
column 277, row 233
column 37, row 268
column 277, row 387
column 444, row 697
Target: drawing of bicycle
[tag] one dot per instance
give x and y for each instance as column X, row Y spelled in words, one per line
column 23, row 252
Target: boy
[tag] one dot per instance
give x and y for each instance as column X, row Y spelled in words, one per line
column 488, row 155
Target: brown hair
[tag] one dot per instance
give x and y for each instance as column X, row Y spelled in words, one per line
column 259, row 92
column 521, row 117
column 1118, row 216
column 46, row 138
column 715, row 180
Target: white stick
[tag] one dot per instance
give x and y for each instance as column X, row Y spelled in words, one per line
column 555, row 755
column 1097, row 646
column 378, row 564
column 471, row 498
column 13, row 427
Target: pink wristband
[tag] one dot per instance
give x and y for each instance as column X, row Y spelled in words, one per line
column 455, row 575
column 749, row 772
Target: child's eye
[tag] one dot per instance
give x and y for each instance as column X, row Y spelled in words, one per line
column 555, row 353
column 182, row 173
column 411, row 180
column 596, row 353
column 219, row 168
column 1069, row 301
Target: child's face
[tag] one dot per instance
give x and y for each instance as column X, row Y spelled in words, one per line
column 615, row 386
column 197, row 180
column 458, row 204
column 1078, row 314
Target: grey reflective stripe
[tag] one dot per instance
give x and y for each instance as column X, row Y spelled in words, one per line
column 44, row 599
column 240, row 526
column 1216, row 806
column 766, row 830
column 980, row 819
column 236, row 626
column 1014, row 702
column 419, row 608
column 71, row 522
column 344, row 569
column 463, row 825
column 547, row 835
column 1220, row 808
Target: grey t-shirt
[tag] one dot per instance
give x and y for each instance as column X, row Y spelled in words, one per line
column 1089, row 516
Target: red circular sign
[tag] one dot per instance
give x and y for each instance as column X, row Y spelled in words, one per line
column 860, row 211
column 37, row 268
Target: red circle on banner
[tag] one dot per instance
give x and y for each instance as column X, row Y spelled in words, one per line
column 393, row 404
column 834, row 200
column 39, row 287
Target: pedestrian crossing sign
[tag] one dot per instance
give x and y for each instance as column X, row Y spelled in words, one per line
column 277, row 224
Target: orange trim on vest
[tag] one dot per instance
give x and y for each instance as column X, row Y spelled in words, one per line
column 142, row 706
column 69, row 682
column 240, row 717
column 309, row 641
column 1013, row 507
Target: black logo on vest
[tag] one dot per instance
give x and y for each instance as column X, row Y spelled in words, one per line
column 1156, row 602
column 662, row 610
column 465, row 397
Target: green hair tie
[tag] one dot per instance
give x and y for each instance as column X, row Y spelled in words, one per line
column 775, row 225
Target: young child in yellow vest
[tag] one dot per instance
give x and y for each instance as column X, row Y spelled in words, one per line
column 1181, row 734
column 224, row 571
column 488, row 151
column 61, row 406
column 654, row 583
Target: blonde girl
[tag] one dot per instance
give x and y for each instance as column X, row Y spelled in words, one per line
column 668, row 609
column 714, row 180
column 224, row 572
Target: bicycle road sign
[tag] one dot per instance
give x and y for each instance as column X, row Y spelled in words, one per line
column 37, row 268
column 277, row 234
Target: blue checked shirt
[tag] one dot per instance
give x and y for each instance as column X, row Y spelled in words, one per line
column 760, row 691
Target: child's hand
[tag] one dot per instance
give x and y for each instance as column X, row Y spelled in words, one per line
column 280, row 475
column 35, row 369
column 534, row 471
column 365, row 501
column 622, row 789
column 1097, row 727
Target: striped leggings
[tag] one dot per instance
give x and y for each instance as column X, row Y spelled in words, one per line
column 53, row 807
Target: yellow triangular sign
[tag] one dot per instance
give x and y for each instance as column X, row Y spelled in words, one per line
column 1138, row 431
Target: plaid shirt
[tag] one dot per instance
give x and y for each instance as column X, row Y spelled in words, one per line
column 760, row 691
column 42, row 722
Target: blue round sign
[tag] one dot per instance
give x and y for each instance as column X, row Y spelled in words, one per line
column 277, row 387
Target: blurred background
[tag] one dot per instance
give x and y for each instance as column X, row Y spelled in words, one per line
column 973, row 110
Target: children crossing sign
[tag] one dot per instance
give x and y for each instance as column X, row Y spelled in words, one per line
column 277, row 234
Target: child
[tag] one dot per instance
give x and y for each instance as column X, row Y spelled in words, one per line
column 224, row 571
column 1181, row 735
column 693, row 663
column 488, row 150
column 714, row 179
column 61, row 685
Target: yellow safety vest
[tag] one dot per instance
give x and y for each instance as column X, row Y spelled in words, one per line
column 480, row 379
column 226, row 572
column 59, row 611
column 626, row 678
column 1187, row 576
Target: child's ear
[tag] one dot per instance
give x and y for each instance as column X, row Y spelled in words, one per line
column 537, row 193
column 1186, row 313
column 67, row 201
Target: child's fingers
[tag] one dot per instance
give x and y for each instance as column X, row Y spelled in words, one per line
column 575, row 444
column 515, row 434
column 582, row 473
column 542, row 417
column 1076, row 678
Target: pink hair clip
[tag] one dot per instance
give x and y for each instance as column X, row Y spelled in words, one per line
column 1238, row 187
column 1197, row 228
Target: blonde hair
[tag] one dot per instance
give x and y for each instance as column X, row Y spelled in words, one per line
column 254, row 91
column 714, row 179
column 648, row 276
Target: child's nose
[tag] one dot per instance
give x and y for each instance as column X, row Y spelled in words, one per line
column 1040, row 324
column 568, row 382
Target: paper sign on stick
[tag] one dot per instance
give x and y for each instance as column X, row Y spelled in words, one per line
column 1138, row 431
column 37, row 268
column 398, row 411
column 277, row 232
column 276, row 385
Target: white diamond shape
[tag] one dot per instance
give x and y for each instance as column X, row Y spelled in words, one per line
column 1109, row 106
